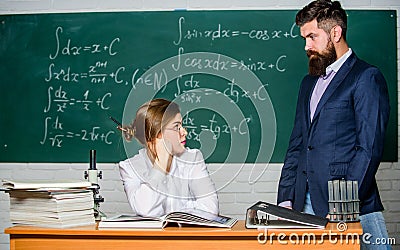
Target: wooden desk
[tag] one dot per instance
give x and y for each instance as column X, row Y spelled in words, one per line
column 89, row 237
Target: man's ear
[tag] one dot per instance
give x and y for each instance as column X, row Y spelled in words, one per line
column 336, row 33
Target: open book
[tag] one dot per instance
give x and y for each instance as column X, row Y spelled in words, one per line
column 191, row 217
column 266, row 215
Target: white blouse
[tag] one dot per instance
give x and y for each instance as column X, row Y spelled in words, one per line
column 151, row 192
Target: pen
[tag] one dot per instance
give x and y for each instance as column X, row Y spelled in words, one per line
column 119, row 125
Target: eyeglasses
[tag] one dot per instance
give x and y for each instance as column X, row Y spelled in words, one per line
column 178, row 128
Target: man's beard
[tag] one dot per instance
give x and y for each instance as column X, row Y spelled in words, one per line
column 318, row 62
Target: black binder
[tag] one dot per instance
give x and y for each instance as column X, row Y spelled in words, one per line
column 258, row 216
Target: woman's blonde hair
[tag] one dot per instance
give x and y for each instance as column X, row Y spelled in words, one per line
column 150, row 121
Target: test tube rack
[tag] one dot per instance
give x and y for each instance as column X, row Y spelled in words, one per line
column 344, row 204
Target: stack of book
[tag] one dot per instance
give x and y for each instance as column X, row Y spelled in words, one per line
column 57, row 204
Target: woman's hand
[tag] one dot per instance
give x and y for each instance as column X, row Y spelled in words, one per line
column 163, row 148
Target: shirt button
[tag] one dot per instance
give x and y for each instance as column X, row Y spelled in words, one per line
column 310, row 148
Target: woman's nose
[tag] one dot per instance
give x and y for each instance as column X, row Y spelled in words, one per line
column 184, row 131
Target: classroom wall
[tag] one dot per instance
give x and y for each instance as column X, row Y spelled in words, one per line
column 235, row 194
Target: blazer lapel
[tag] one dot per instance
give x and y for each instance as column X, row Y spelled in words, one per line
column 336, row 81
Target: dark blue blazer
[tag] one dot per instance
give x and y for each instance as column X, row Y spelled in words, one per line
column 344, row 141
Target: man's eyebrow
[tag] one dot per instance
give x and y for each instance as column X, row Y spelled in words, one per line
column 309, row 34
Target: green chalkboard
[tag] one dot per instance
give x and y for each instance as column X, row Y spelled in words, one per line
column 235, row 75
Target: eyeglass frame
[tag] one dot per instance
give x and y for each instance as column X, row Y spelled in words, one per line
column 179, row 129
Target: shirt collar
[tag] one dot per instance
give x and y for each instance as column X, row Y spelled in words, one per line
column 338, row 63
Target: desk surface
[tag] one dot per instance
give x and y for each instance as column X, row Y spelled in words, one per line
column 238, row 237
column 238, row 229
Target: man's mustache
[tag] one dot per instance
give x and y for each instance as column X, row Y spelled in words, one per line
column 312, row 53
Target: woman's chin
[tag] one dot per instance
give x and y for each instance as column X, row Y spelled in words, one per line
column 180, row 151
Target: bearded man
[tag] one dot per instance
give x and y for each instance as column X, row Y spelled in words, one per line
column 340, row 123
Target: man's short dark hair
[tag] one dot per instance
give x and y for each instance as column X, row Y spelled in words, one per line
column 327, row 13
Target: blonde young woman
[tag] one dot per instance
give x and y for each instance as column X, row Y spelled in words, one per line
column 165, row 176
